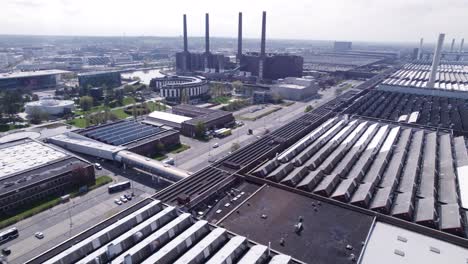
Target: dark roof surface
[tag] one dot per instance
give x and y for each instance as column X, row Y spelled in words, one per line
column 327, row 229
column 405, row 172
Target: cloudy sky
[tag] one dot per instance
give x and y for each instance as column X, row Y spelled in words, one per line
column 366, row 20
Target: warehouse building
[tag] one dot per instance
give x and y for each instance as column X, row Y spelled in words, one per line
column 406, row 172
column 141, row 138
column 31, row 171
column 31, row 80
column 296, row 89
column 157, row 233
column 97, row 79
column 160, row 118
column 211, row 119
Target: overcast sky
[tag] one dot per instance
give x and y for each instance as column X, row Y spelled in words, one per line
column 365, row 20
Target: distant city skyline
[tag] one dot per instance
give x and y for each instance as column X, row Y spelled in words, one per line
column 357, row 20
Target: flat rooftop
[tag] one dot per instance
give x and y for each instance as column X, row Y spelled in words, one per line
column 398, row 170
column 327, row 229
column 97, row 73
column 123, row 133
column 25, row 154
column 27, row 74
column 179, row 119
column 390, row 244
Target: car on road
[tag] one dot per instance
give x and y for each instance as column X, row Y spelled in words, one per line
column 128, row 196
column 97, row 166
column 123, row 199
column 39, row 235
column 215, row 145
column 118, row 202
column 6, row 251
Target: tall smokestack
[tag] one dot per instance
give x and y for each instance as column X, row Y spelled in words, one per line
column 436, row 60
column 461, row 45
column 420, row 49
column 239, row 38
column 453, row 44
column 207, row 33
column 262, row 49
column 185, row 33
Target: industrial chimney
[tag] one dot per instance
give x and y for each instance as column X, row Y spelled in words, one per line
column 185, row 33
column 207, row 33
column 262, row 49
column 436, row 60
column 207, row 42
column 420, row 49
column 461, row 45
column 239, row 38
column 453, row 44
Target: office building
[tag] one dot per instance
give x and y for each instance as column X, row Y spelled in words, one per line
column 98, row 79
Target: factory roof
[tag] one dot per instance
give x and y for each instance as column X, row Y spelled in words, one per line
column 153, row 232
column 397, row 170
column 124, row 132
column 77, row 139
column 21, row 155
column 434, row 111
column 169, row 117
column 390, row 244
column 27, row 74
column 272, row 215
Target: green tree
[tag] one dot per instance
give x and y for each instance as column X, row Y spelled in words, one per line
column 308, row 108
column 238, row 87
column 235, row 146
column 200, row 129
column 11, row 103
column 119, row 96
column 86, row 102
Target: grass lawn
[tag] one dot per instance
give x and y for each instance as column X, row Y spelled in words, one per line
column 179, row 148
column 120, row 113
column 160, row 157
column 45, row 204
column 78, row 122
column 128, row 100
column 221, row 100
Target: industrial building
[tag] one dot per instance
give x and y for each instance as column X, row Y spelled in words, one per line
column 268, row 66
column 387, row 168
column 31, row 80
column 451, row 78
column 182, row 89
column 211, row 119
column 186, row 117
column 110, row 79
column 137, row 137
column 120, row 154
column 157, row 233
column 200, row 62
column 296, row 89
column 342, row 45
column 50, row 106
column 32, row 171
column 427, row 110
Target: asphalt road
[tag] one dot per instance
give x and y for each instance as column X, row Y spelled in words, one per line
column 201, row 153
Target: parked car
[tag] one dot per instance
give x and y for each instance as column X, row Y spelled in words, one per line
column 215, row 145
column 117, row 201
column 123, row 199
